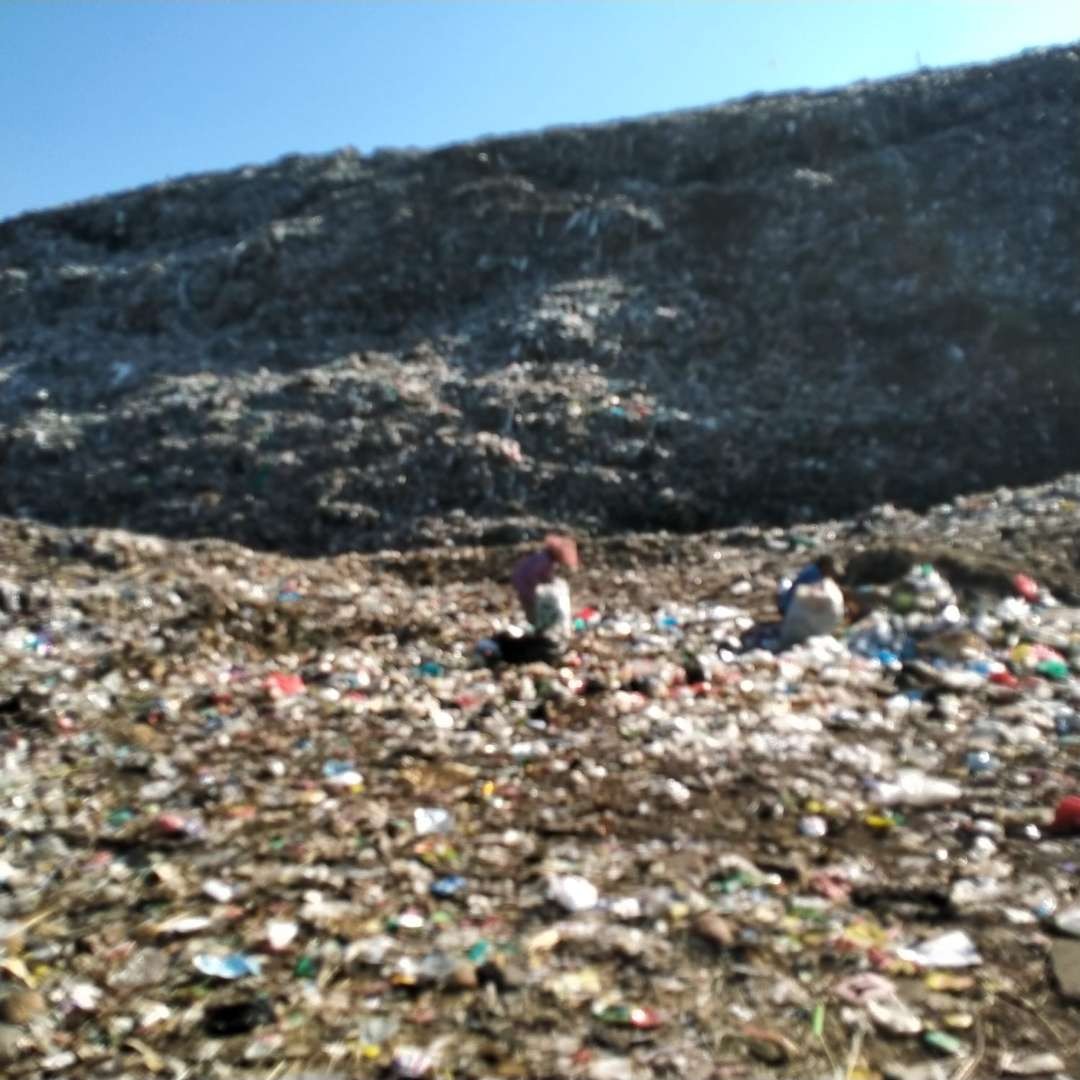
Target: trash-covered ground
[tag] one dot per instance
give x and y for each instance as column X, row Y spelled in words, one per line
column 272, row 818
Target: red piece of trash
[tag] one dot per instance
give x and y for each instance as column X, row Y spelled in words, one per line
column 282, row 684
column 1067, row 815
column 1005, row 678
column 879, row 958
column 831, row 886
column 1027, row 587
column 645, row 1018
column 173, row 824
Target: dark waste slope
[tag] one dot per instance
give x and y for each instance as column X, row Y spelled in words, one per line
column 785, row 307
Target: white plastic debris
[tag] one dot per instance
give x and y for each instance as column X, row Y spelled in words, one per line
column 182, row 925
column 1067, row 920
column 218, row 890
column 952, row 950
column 430, row 820
column 912, row 787
column 573, row 892
column 677, row 792
column 892, row 1015
column 1039, row 1064
column 280, row 934
column 85, row 996
column 412, row 1062
column 626, row 907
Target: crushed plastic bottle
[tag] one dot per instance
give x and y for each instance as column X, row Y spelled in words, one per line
column 913, row 787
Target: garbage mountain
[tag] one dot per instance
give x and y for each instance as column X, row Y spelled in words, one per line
column 779, row 308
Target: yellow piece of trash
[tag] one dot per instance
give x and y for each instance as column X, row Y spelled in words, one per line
column 877, row 821
column 946, row 980
column 958, row 1021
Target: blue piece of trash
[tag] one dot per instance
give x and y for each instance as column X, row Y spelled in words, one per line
column 337, row 768
column 447, row 886
column 232, row 966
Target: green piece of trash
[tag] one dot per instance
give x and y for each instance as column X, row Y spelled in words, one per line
column 943, row 1043
column 817, row 1020
column 306, row 968
column 478, row 953
column 1057, row 670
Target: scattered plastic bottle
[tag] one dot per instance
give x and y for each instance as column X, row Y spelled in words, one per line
column 914, row 788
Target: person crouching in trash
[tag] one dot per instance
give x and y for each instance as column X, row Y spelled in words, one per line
column 812, row 604
column 815, row 572
column 544, row 595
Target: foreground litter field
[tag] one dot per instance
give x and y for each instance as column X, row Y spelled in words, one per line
column 270, row 818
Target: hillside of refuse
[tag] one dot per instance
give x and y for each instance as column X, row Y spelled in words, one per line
column 781, row 308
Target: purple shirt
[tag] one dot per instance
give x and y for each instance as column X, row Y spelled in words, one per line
column 529, row 572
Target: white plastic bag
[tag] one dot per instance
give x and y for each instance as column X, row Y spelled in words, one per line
column 551, row 609
column 817, row 608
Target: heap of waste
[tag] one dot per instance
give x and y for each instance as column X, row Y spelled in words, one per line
column 264, row 817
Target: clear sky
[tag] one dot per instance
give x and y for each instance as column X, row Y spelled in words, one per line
column 102, row 95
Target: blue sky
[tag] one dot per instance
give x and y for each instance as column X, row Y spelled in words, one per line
column 103, row 95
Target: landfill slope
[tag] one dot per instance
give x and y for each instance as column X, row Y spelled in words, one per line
column 270, row 817
column 777, row 309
